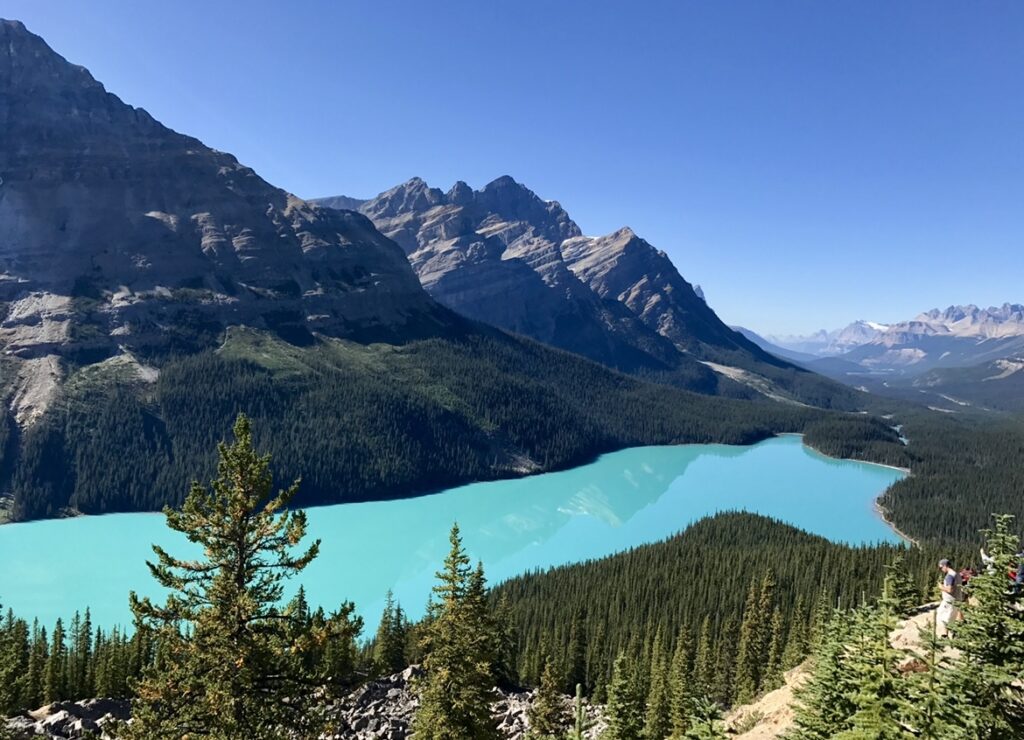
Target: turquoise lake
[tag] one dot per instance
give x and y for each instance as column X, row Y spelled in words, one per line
column 623, row 499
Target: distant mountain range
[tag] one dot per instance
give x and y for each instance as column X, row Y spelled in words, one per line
column 952, row 358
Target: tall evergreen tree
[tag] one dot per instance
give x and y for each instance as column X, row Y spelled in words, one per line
column 549, row 715
column 656, row 721
column 991, row 640
column 625, row 709
column 680, row 688
column 748, row 652
column 223, row 673
column 457, row 687
column 389, row 645
column 54, row 688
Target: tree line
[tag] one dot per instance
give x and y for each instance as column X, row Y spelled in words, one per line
column 668, row 635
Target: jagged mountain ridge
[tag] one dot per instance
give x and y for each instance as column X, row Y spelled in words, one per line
column 115, row 231
column 504, row 256
column 153, row 287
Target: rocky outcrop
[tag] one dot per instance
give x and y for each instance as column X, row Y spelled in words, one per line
column 117, row 233
column 504, row 256
column 495, row 255
column 378, row 710
column 384, row 709
column 70, row 720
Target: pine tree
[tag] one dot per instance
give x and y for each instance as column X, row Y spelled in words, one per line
column 580, row 722
column 456, row 690
column 54, row 688
column 680, row 688
column 748, row 652
column 36, row 667
column 221, row 671
column 823, row 704
column 725, row 662
column 901, row 586
column 879, row 694
column 705, row 721
column 771, row 677
column 704, row 664
column 656, row 722
column 576, row 666
column 991, row 640
column 548, row 715
column 796, row 639
column 933, row 707
column 625, row 709
column 389, row 645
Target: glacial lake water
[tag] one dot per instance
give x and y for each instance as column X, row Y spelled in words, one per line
column 623, row 499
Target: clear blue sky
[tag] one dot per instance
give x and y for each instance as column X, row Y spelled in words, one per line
column 808, row 163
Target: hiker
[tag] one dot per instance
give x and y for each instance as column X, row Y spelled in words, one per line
column 988, row 561
column 948, row 610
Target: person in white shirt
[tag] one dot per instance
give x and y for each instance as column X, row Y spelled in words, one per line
column 949, row 610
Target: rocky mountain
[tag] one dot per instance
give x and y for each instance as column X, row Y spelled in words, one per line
column 959, row 336
column 119, row 236
column 115, row 231
column 151, row 288
column 504, row 256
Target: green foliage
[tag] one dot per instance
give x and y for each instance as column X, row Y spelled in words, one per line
column 625, row 709
column 694, row 583
column 991, row 641
column 389, row 645
column 224, row 669
column 865, row 688
column 458, row 643
column 419, row 416
column 548, row 715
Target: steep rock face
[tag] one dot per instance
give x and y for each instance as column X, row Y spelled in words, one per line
column 625, row 268
column 495, row 255
column 117, row 232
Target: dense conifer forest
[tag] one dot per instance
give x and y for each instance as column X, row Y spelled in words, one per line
column 359, row 422
column 667, row 634
column 697, row 587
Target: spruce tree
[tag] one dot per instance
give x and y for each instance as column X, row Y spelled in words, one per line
column 389, row 645
column 656, row 721
column 576, row 665
column 456, row 690
column 933, row 708
column 991, row 640
column 221, row 672
column 823, row 703
column 625, row 708
column 54, row 688
column 549, row 715
column 879, row 692
column 748, row 652
column 704, row 663
column 680, row 688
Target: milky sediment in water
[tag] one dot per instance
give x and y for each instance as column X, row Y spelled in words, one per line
column 48, row 569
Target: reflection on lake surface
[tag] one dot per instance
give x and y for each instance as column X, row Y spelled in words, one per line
column 623, row 499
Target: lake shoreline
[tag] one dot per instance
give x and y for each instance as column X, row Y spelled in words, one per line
column 877, row 507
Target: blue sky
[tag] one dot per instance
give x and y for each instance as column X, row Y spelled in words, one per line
column 809, row 163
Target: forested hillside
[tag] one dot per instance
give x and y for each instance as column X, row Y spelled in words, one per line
column 964, row 468
column 358, row 421
column 697, row 587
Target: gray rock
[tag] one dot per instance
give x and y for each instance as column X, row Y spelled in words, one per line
column 118, row 234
